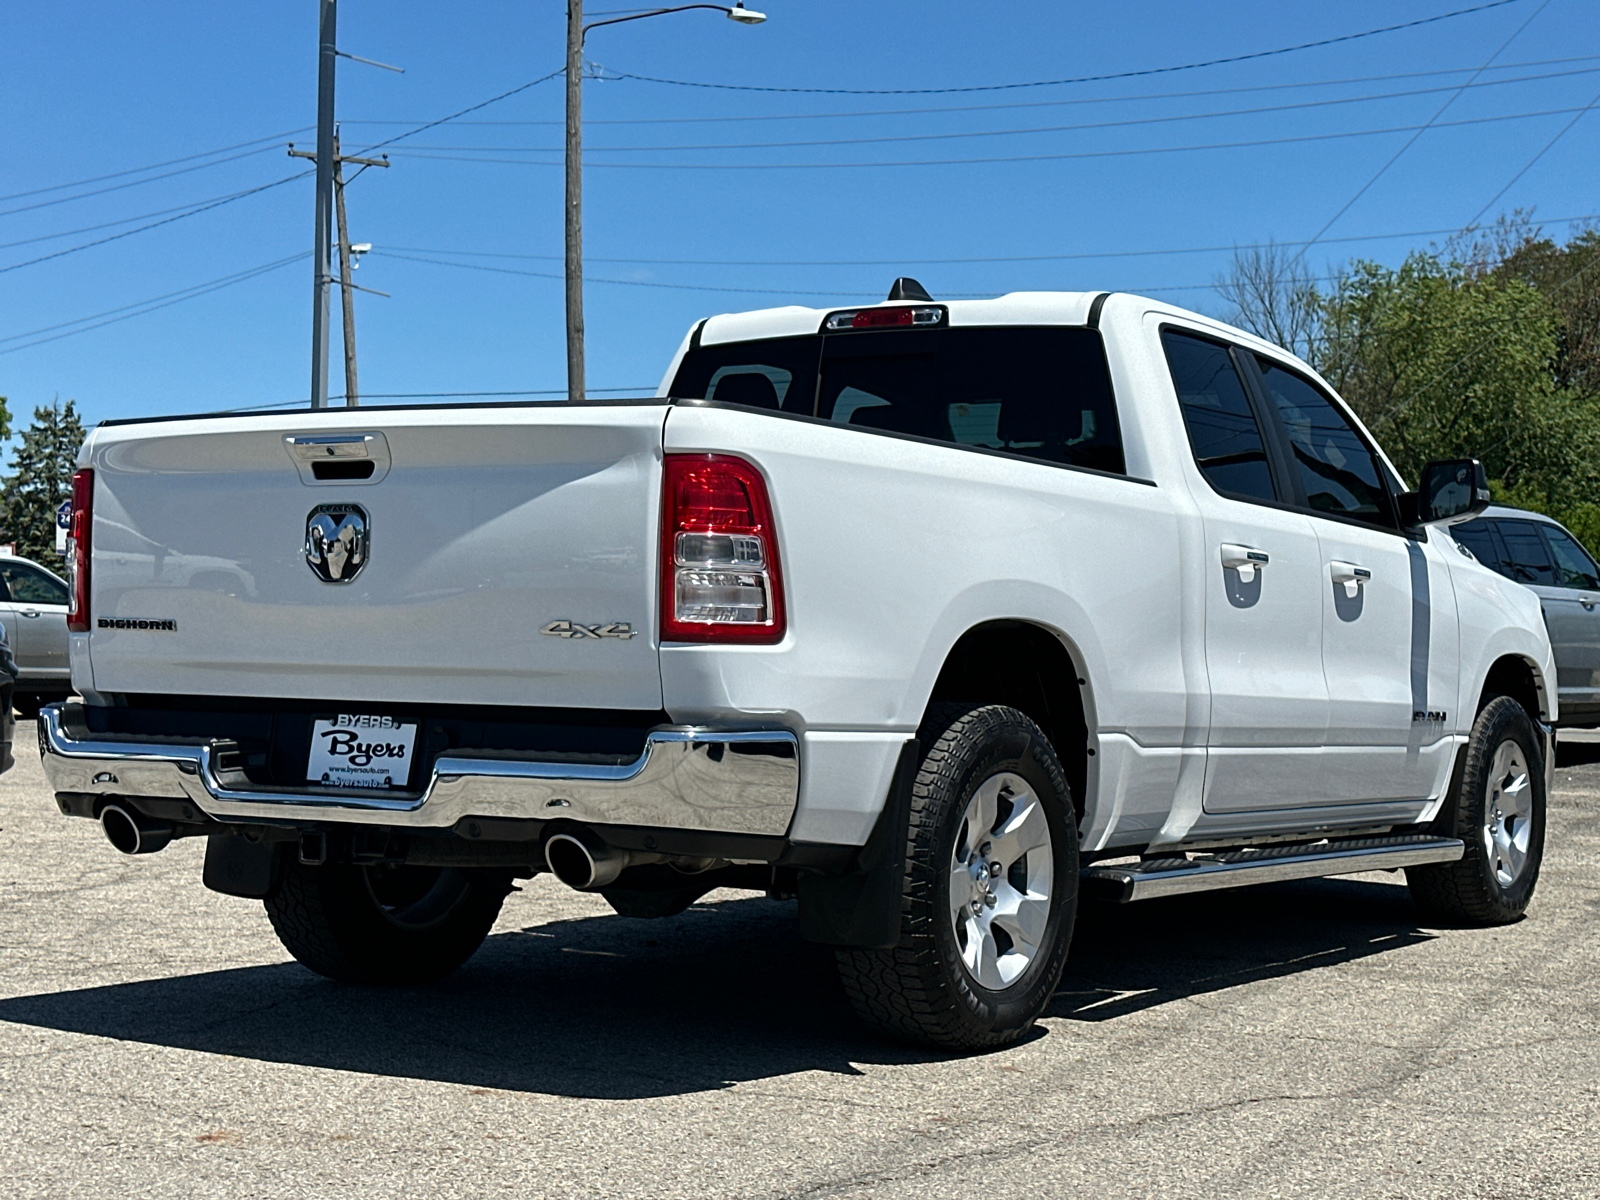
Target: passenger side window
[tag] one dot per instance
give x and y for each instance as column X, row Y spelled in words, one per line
column 1526, row 558
column 1478, row 537
column 1574, row 567
column 1340, row 474
column 1223, row 431
column 29, row 586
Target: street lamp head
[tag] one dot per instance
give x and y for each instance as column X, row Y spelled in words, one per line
column 744, row 15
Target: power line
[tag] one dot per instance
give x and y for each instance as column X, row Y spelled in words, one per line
column 160, row 212
column 649, row 387
column 911, row 262
column 1000, row 87
column 1429, row 124
column 56, row 187
column 685, row 287
column 154, row 224
column 987, row 133
column 1016, row 158
column 144, row 306
column 463, row 112
column 963, row 108
column 1578, row 116
column 131, row 183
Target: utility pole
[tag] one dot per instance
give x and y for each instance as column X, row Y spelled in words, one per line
column 349, row 301
column 574, row 206
column 576, row 31
column 346, row 284
column 328, row 52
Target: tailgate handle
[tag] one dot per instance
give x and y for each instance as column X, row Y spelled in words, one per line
column 332, row 458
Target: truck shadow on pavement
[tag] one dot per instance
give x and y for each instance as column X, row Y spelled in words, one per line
column 1128, row 958
column 604, row 1007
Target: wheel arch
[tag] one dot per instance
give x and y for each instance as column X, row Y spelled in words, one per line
column 1034, row 669
column 1520, row 678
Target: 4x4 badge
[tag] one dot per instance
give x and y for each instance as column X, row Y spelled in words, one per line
column 337, row 541
column 571, row 629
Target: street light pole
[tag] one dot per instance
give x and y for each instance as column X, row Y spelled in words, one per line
column 576, row 32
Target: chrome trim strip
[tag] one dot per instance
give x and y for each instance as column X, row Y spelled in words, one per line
column 1175, row 876
column 738, row 781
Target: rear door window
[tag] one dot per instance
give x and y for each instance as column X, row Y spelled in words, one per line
column 1339, row 472
column 1573, row 566
column 1527, row 560
column 1223, row 431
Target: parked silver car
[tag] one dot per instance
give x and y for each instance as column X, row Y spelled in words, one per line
column 1537, row 551
column 33, row 609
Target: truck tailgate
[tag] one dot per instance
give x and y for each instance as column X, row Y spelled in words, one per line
column 485, row 526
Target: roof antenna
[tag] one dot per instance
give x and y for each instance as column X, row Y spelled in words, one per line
column 906, row 288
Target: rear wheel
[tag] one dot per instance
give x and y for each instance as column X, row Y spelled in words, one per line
column 989, row 888
column 383, row 924
column 1498, row 813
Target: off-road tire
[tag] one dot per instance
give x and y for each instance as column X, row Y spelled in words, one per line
column 1467, row 891
column 921, row 991
column 330, row 918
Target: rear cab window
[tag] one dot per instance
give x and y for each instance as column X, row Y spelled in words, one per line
column 1038, row 392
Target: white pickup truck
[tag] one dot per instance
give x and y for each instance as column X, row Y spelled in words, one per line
column 930, row 615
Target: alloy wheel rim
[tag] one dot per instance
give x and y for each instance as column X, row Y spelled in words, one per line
column 1508, row 813
column 1002, row 872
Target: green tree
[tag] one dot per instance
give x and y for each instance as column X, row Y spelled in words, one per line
column 41, row 479
column 1442, row 364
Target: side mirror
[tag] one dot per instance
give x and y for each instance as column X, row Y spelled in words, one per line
column 1451, row 491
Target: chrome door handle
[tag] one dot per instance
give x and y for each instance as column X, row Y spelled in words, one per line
column 1350, row 575
column 30, row 612
column 1244, row 559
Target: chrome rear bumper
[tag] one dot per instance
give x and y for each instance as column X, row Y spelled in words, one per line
column 687, row 778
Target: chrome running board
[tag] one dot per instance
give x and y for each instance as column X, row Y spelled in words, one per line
column 1179, row 873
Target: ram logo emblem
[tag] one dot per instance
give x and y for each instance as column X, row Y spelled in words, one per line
column 338, row 540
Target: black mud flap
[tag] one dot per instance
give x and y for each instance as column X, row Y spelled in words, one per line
column 862, row 909
column 237, row 866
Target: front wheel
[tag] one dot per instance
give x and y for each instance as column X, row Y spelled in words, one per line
column 385, row 924
column 989, row 891
column 1498, row 813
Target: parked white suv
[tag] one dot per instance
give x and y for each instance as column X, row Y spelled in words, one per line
column 919, row 612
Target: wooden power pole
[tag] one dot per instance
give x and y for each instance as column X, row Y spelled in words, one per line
column 346, row 284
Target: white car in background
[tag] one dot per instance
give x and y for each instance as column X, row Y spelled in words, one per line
column 33, row 609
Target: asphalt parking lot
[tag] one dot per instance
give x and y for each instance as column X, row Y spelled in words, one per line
column 1306, row 1039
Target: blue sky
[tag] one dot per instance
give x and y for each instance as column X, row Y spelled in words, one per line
column 704, row 189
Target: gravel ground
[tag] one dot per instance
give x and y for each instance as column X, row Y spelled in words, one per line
column 1307, row 1039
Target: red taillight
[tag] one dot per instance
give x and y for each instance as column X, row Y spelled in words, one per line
column 719, row 557
column 78, row 526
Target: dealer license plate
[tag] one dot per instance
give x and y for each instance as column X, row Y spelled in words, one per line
column 355, row 750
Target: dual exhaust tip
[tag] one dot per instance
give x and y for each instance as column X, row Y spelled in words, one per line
column 576, row 857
